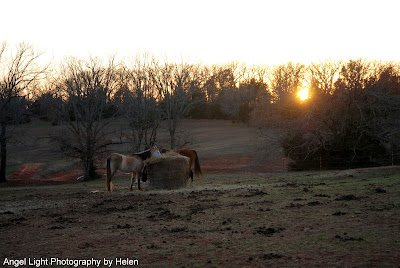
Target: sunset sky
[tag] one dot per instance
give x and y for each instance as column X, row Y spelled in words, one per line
column 216, row 31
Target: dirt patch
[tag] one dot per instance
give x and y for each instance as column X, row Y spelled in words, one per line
column 26, row 172
column 30, row 175
column 69, row 176
column 349, row 197
column 268, row 231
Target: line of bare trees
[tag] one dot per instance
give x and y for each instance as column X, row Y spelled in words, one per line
column 145, row 93
column 352, row 114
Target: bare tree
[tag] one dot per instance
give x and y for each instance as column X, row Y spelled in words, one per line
column 220, row 87
column 229, row 97
column 139, row 105
column 175, row 84
column 247, row 86
column 87, row 87
column 281, row 108
column 323, row 76
column 285, row 81
column 17, row 73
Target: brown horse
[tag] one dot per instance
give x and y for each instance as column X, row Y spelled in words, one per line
column 194, row 164
column 133, row 164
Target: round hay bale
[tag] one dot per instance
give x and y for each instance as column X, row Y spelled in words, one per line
column 170, row 171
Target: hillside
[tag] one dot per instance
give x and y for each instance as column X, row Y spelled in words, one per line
column 222, row 146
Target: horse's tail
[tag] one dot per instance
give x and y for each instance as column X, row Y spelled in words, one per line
column 197, row 168
column 108, row 179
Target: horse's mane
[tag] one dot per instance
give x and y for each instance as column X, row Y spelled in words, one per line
column 144, row 154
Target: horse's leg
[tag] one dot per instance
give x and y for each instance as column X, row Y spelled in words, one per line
column 139, row 175
column 112, row 176
column 132, row 180
column 144, row 174
column 109, row 184
column 109, row 175
column 191, row 167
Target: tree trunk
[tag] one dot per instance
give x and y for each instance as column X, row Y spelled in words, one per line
column 3, row 153
column 172, row 137
column 172, row 132
column 172, row 141
column 87, row 166
column 89, row 170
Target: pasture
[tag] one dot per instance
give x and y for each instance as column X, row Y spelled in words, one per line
column 329, row 219
column 238, row 215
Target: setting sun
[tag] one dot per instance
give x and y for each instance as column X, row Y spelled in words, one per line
column 303, row 94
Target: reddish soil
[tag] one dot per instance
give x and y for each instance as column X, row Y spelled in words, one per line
column 69, row 176
column 26, row 172
column 29, row 174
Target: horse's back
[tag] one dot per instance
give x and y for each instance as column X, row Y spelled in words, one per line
column 131, row 164
column 114, row 157
column 125, row 163
column 187, row 152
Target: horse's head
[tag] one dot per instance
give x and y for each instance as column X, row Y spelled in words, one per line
column 155, row 152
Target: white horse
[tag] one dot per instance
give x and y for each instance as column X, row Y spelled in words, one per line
column 133, row 164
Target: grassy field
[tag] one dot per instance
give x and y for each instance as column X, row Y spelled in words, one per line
column 325, row 219
column 247, row 211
